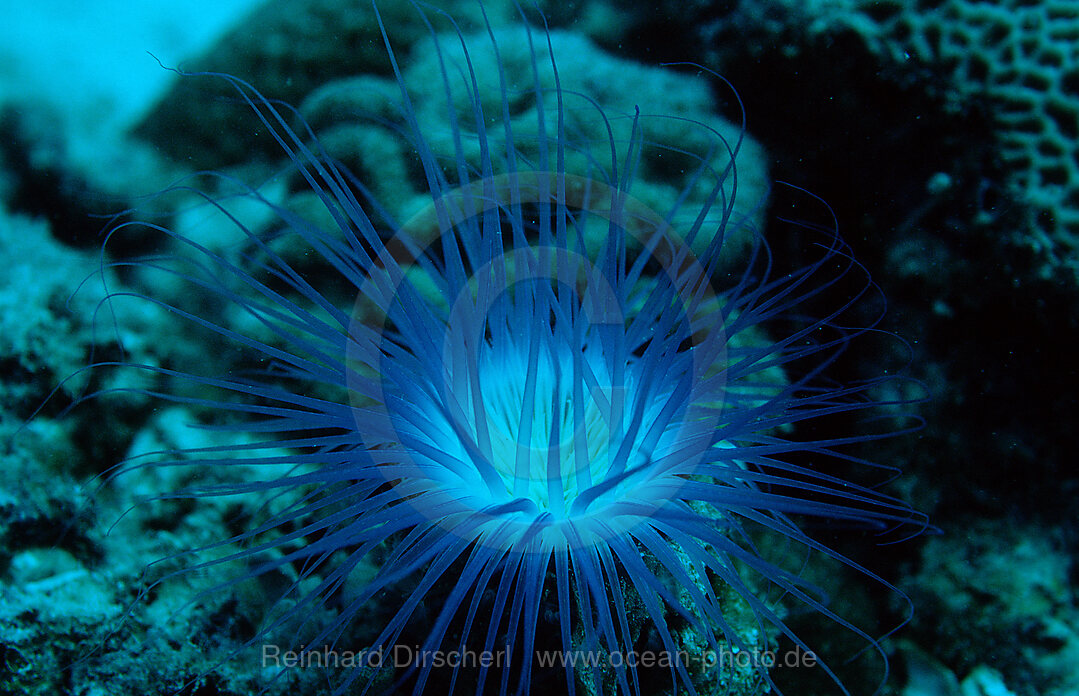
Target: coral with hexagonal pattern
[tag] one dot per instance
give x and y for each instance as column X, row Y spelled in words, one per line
column 1021, row 57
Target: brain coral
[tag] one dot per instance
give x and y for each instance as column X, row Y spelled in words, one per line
column 339, row 111
column 1018, row 57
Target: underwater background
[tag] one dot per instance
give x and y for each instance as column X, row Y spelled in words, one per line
column 944, row 135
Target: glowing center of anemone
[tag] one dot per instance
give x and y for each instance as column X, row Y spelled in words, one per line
column 526, row 455
column 562, row 434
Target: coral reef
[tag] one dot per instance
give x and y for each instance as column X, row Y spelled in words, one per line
column 340, row 112
column 998, row 608
column 1018, row 59
column 942, row 132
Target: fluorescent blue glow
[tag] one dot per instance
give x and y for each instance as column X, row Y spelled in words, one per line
column 530, row 425
column 538, row 419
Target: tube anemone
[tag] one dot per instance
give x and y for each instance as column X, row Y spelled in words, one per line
column 551, row 413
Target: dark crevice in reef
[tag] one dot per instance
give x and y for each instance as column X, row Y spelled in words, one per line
column 42, row 186
column 49, row 522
